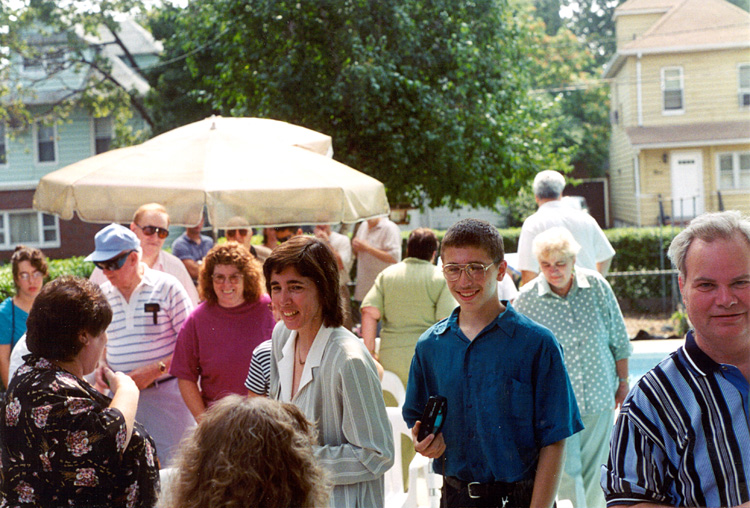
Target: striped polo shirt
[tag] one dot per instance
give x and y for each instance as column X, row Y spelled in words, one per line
column 683, row 435
column 144, row 329
column 259, row 374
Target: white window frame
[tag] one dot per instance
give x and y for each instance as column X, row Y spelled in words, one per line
column 37, row 125
column 743, row 92
column 4, row 143
column 735, row 171
column 40, row 242
column 664, row 109
column 94, row 136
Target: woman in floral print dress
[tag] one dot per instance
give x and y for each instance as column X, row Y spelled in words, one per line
column 63, row 443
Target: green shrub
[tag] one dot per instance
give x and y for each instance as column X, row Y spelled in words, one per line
column 57, row 267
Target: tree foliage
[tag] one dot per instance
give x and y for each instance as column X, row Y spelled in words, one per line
column 55, row 32
column 564, row 69
column 429, row 96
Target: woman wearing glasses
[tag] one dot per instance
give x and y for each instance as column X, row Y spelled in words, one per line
column 216, row 342
column 29, row 268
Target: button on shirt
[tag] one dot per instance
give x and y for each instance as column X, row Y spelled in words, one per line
column 589, row 325
column 508, row 396
column 683, row 435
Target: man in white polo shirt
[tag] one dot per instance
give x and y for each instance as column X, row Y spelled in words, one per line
column 151, row 226
column 149, row 308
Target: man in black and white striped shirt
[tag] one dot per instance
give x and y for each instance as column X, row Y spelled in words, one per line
column 683, row 435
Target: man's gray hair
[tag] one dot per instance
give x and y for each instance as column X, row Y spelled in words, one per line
column 548, row 184
column 708, row 227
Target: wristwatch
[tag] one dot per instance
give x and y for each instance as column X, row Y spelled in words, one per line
column 624, row 379
column 162, row 367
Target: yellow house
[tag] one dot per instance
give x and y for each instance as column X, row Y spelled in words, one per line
column 680, row 90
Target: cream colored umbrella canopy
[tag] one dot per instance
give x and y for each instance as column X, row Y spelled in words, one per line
column 268, row 172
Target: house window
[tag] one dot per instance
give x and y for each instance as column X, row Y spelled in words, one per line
column 30, row 228
column 45, row 135
column 744, row 85
column 44, row 59
column 672, row 89
column 102, row 134
column 734, row 170
column 3, row 145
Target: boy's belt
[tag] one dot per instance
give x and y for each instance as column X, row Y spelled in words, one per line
column 478, row 490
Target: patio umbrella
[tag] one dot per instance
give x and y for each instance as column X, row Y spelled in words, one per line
column 268, row 172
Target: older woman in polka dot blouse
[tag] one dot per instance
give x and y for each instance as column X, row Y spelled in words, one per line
column 580, row 308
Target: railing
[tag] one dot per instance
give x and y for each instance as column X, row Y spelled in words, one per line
column 647, row 296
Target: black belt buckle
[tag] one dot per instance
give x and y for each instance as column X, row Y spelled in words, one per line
column 474, row 494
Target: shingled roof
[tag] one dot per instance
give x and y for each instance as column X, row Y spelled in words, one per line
column 686, row 26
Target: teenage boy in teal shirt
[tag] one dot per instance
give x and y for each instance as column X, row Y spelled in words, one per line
column 510, row 402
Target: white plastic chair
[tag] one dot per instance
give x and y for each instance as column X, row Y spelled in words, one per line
column 393, row 385
column 395, row 497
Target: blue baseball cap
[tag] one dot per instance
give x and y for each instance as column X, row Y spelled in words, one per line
column 111, row 241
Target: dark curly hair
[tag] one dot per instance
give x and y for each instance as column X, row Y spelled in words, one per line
column 64, row 309
column 30, row 254
column 314, row 259
column 235, row 254
column 249, row 452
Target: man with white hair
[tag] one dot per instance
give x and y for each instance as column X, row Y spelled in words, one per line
column 151, row 226
column 596, row 252
column 682, row 437
column 148, row 308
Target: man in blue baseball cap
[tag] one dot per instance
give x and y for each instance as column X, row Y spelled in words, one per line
column 149, row 308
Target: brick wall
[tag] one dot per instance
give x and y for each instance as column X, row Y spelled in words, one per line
column 76, row 236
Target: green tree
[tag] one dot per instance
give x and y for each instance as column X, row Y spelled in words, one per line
column 429, row 96
column 59, row 34
column 176, row 95
column 593, row 22
column 563, row 69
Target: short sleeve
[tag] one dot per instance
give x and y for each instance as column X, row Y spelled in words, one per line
column 554, row 400
column 259, row 375
column 634, row 472
column 374, row 297
column 185, row 360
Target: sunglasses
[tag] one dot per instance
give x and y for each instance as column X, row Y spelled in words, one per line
column 150, row 230
column 114, row 263
column 240, row 232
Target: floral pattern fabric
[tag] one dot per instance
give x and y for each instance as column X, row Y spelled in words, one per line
column 61, row 445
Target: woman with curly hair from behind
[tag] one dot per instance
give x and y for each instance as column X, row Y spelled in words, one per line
column 249, row 452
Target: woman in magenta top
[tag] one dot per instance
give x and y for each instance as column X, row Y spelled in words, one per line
column 216, row 342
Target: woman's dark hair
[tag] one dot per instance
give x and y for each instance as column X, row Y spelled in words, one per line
column 30, row 254
column 314, row 259
column 235, row 254
column 64, row 309
column 422, row 244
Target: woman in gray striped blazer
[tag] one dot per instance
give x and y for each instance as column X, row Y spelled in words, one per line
column 326, row 371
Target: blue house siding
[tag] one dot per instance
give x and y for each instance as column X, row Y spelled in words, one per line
column 74, row 140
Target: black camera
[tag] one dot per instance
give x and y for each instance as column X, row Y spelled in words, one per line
column 433, row 416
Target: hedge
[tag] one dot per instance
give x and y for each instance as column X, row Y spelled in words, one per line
column 57, row 267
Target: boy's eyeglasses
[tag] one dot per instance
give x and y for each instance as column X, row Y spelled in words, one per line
column 235, row 278
column 114, row 263
column 240, row 232
column 474, row 271
column 25, row 276
column 150, row 230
